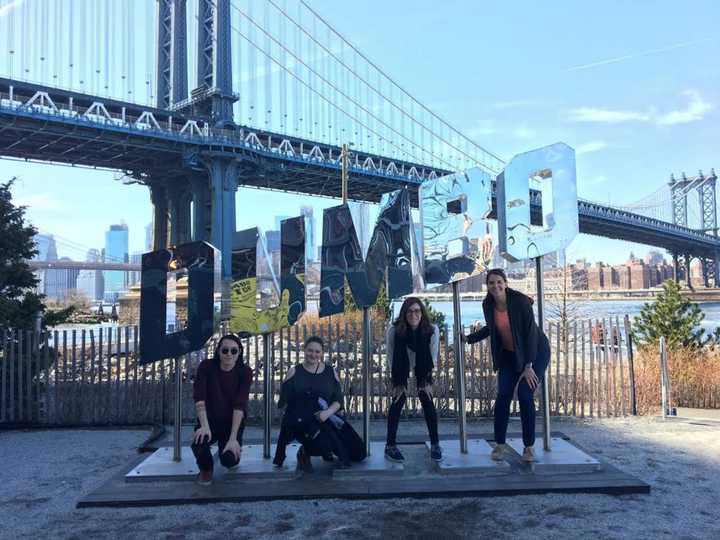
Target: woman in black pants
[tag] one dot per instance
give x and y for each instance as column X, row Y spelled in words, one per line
column 520, row 353
column 313, row 397
column 412, row 341
column 220, row 391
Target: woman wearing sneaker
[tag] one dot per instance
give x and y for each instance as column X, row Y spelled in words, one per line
column 312, row 393
column 520, row 353
column 412, row 342
column 220, row 391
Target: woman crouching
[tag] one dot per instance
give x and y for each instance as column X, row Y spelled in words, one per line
column 220, row 391
column 313, row 397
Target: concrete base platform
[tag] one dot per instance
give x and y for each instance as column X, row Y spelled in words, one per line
column 477, row 461
column 563, row 458
column 375, row 465
column 567, row 469
column 253, row 465
column 160, row 466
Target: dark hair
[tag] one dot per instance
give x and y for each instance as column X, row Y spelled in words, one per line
column 231, row 337
column 401, row 325
column 495, row 271
column 314, row 339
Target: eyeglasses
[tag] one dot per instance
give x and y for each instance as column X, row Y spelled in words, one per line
column 225, row 350
column 416, row 311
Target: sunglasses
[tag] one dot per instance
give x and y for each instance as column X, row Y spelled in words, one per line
column 225, row 350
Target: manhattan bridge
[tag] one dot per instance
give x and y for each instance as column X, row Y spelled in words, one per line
column 194, row 98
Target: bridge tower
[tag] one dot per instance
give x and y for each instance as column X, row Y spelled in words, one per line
column 708, row 208
column 210, row 179
column 706, row 190
column 170, row 195
column 678, row 200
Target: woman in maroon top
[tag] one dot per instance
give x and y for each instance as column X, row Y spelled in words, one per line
column 221, row 390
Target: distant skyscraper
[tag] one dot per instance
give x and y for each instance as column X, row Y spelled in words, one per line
column 116, row 250
column 59, row 283
column 47, row 251
column 310, row 239
column 90, row 282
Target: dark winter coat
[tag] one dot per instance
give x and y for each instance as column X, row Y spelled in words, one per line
column 526, row 335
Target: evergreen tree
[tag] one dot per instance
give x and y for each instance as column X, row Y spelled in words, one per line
column 19, row 304
column 673, row 316
column 436, row 317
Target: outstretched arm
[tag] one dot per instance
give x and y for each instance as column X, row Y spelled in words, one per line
column 479, row 335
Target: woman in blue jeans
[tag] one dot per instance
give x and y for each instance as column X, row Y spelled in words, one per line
column 520, row 353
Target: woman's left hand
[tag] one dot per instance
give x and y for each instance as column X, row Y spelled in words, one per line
column 322, row 415
column 233, row 446
column 531, row 378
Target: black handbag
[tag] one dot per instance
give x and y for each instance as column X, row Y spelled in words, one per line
column 352, row 442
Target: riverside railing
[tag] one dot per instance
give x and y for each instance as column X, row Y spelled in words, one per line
column 91, row 377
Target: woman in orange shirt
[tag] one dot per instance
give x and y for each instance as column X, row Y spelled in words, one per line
column 520, row 352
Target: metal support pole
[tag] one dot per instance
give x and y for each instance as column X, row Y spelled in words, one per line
column 344, row 172
column 540, row 288
column 664, row 379
column 267, row 392
column 177, row 455
column 459, row 368
column 367, row 357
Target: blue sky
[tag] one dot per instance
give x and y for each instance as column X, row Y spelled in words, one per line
column 634, row 87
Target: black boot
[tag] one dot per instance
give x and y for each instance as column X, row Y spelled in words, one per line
column 303, row 460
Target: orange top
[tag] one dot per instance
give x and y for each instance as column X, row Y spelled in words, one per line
column 502, row 322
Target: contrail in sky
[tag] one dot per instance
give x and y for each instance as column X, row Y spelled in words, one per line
column 8, row 8
column 638, row 55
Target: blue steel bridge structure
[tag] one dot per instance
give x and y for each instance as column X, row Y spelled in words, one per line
column 274, row 100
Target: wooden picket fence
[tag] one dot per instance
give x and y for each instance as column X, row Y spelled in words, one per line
column 91, row 377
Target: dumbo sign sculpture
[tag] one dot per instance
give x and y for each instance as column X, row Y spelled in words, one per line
column 455, row 244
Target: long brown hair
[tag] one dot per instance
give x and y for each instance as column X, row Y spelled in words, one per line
column 401, row 325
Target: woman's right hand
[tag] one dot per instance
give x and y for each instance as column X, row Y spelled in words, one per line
column 201, row 433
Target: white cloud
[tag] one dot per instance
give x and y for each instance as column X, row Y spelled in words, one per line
column 524, row 132
column 38, row 201
column 607, row 116
column 4, row 10
column 696, row 110
column 593, row 146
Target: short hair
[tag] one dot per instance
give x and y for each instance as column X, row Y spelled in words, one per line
column 314, row 339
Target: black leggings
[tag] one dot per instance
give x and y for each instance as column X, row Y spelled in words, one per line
column 429, row 412
column 220, row 435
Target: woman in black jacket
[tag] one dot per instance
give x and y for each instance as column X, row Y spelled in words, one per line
column 313, row 397
column 520, row 353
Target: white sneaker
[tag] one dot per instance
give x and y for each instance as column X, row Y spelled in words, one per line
column 528, row 455
column 498, row 453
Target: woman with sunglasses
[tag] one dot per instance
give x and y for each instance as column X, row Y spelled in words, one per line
column 313, row 397
column 220, row 391
column 520, row 353
column 412, row 341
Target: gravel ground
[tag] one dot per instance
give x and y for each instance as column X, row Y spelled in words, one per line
column 44, row 473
